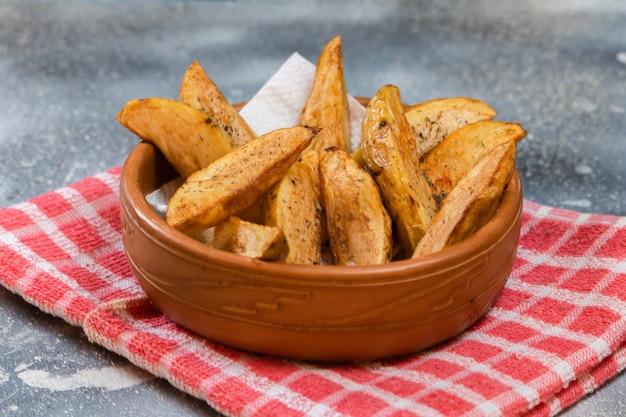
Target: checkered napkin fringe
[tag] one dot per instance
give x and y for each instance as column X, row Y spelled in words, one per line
column 556, row 333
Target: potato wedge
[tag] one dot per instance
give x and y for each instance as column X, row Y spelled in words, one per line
column 434, row 120
column 472, row 203
column 235, row 181
column 388, row 150
column 327, row 106
column 449, row 161
column 200, row 92
column 293, row 205
column 359, row 227
column 188, row 140
column 245, row 238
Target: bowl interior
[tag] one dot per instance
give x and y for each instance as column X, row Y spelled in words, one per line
column 319, row 312
column 146, row 170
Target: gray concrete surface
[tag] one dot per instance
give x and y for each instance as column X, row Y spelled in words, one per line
column 66, row 69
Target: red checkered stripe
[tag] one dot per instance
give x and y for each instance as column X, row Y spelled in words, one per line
column 236, row 383
column 553, row 327
column 563, row 308
column 62, row 251
column 240, row 384
column 224, row 377
column 558, row 323
column 585, row 384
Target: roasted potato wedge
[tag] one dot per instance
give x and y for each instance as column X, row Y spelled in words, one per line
column 200, row 92
column 245, row 238
column 434, row 120
column 293, row 205
column 359, row 228
column 188, row 140
column 449, row 161
column 235, row 181
column 388, row 150
column 423, row 177
column 472, row 203
column 327, row 106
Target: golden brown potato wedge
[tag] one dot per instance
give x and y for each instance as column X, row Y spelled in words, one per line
column 472, row 203
column 434, row 120
column 235, row 181
column 327, row 106
column 388, row 149
column 449, row 161
column 357, row 155
column 359, row 228
column 200, row 92
column 187, row 139
column 245, row 238
column 293, row 205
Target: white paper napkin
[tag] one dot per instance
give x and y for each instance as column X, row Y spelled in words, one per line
column 280, row 101
column 278, row 104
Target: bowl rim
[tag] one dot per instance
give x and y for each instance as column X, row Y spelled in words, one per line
column 133, row 201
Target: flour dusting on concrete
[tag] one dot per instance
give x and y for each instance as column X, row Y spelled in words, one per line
column 4, row 377
column 111, row 378
column 582, row 203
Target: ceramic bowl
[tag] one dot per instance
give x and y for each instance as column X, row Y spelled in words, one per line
column 319, row 313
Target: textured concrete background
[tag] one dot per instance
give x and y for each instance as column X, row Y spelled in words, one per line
column 67, row 68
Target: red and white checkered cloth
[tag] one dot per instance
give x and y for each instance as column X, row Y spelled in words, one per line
column 556, row 332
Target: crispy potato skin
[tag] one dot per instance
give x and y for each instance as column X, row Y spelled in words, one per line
column 449, row 161
column 188, row 140
column 235, row 181
column 435, row 119
column 200, row 92
column 293, row 205
column 327, row 106
column 245, row 238
column 423, row 177
column 472, row 203
column 388, row 150
column 359, row 227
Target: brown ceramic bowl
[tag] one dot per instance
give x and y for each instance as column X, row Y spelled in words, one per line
column 326, row 313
